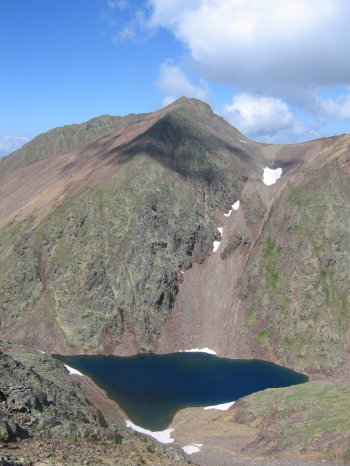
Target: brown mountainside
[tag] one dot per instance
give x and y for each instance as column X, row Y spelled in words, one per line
column 107, row 232
column 111, row 241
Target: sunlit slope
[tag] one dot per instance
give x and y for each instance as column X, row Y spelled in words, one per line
column 296, row 285
column 108, row 246
column 94, row 240
column 60, row 139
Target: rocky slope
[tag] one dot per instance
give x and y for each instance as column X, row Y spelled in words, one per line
column 107, row 233
column 107, row 246
column 278, row 286
column 296, row 286
column 96, row 238
column 302, row 425
column 307, row 419
column 45, row 418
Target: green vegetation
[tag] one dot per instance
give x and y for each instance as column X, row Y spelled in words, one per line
column 251, row 317
column 263, row 339
column 271, row 254
column 311, row 417
column 296, row 195
column 304, row 260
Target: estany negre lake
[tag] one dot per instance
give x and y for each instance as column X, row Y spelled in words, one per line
column 152, row 388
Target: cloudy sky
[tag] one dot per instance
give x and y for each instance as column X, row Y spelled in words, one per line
column 278, row 70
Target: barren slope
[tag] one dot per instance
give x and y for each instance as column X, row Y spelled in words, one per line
column 94, row 239
column 108, row 247
column 277, row 287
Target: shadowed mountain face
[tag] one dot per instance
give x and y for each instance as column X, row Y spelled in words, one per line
column 107, row 241
column 94, row 239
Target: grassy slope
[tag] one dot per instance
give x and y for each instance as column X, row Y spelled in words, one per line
column 297, row 284
column 111, row 256
column 303, row 419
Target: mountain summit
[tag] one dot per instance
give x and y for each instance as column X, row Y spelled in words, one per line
column 168, row 231
column 107, row 232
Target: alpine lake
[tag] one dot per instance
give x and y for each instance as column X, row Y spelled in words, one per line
column 151, row 388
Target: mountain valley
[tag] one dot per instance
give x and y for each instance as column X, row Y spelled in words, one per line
column 107, row 247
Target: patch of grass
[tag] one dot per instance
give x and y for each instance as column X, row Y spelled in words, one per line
column 252, row 315
column 262, row 339
column 296, row 194
column 9, row 232
column 294, row 418
column 294, row 345
column 271, row 253
column 340, row 303
column 346, row 455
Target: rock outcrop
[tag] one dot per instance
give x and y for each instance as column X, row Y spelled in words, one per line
column 45, row 414
column 107, row 232
column 107, row 247
column 107, row 260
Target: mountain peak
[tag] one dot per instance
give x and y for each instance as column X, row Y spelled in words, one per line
column 188, row 102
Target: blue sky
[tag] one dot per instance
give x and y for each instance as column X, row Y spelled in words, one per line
column 277, row 70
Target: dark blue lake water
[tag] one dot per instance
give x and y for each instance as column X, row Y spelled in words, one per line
column 152, row 388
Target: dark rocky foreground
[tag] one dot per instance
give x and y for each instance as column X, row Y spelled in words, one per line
column 45, row 418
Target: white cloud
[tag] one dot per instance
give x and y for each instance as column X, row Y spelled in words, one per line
column 258, row 115
column 127, row 21
column 9, row 144
column 278, row 57
column 167, row 100
column 175, row 83
column 336, row 108
column 134, row 28
column 126, row 33
column 262, row 45
column 121, row 4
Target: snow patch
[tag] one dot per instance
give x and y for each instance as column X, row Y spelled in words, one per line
column 198, row 350
column 41, row 351
column 245, row 142
column 271, row 175
column 162, row 436
column 72, row 371
column 192, row 448
column 216, row 245
column 220, row 230
column 222, row 406
column 235, row 206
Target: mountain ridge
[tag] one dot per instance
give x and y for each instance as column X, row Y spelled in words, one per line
column 194, row 152
column 60, row 139
column 107, row 248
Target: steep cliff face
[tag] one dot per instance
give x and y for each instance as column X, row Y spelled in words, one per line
column 107, row 232
column 107, row 261
column 107, row 246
